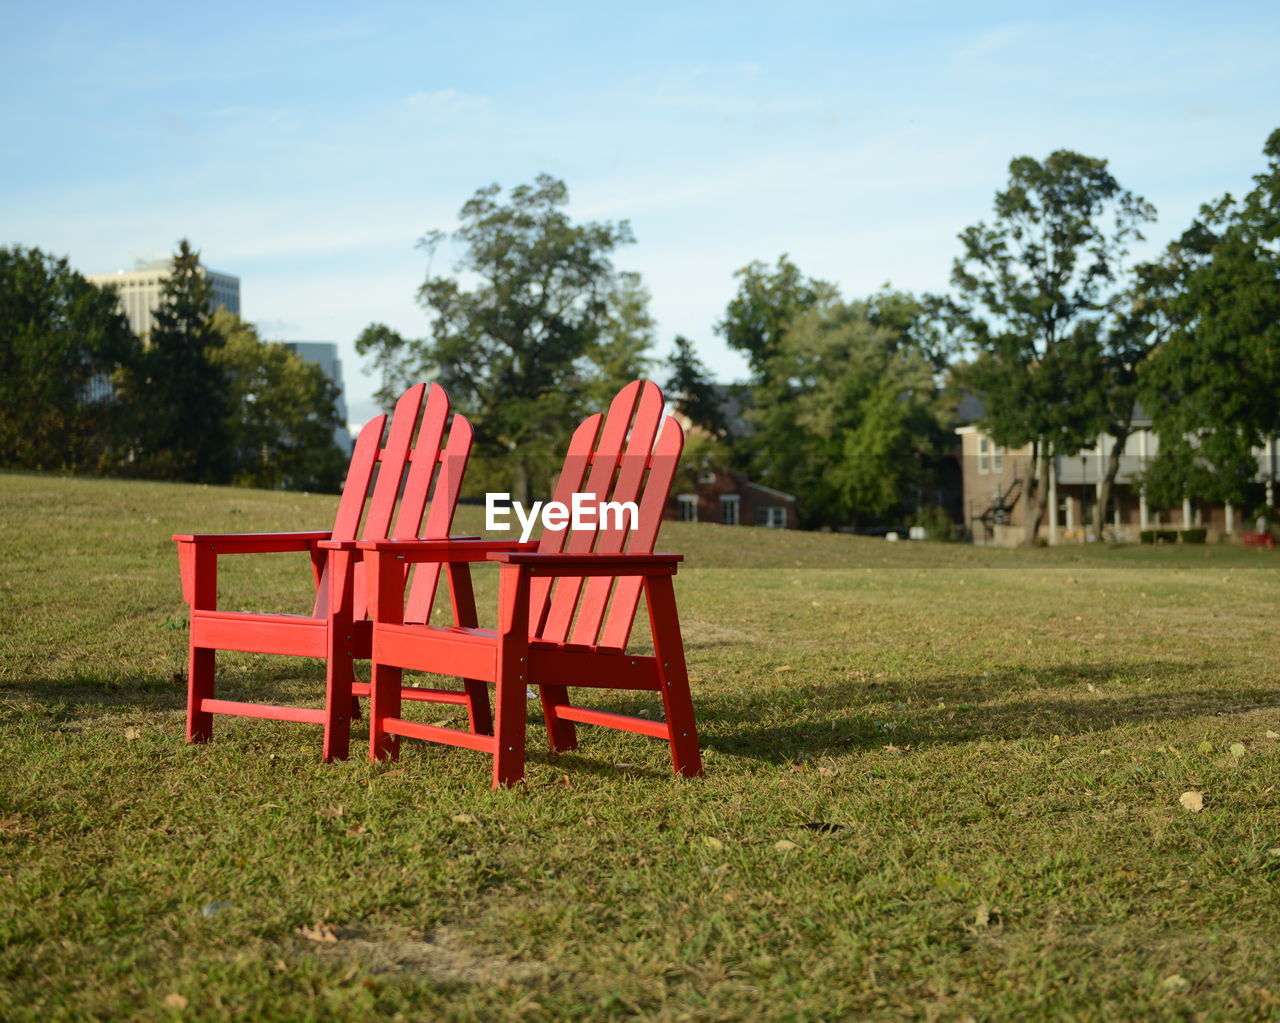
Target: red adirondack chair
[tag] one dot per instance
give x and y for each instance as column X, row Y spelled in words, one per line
column 573, row 636
column 337, row 629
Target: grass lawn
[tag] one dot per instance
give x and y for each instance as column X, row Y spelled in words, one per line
column 942, row 782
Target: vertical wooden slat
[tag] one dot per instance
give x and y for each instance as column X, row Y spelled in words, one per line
column 364, row 457
column 444, row 499
column 576, row 463
column 604, row 463
column 404, row 422
column 631, row 475
column 422, row 464
column 626, row 597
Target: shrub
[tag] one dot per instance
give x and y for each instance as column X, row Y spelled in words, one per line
column 1194, row 535
column 1147, row 536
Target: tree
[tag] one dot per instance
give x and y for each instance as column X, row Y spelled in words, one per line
column 546, row 324
column 844, row 415
column 180, row 390
column 61, row 341
column 690, row 386
column 282, row 412
column 764, row 307
column 1038, row 290
column 1214, row 388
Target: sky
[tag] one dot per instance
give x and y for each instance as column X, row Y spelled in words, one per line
column 306, row 148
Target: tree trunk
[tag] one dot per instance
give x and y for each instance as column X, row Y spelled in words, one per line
column 520, row 480
column 1108, row 483
column 1037, row 479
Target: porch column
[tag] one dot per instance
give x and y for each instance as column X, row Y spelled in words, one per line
column 1231, row 518
column 1186, row 513
column 1071, row 512
column 1144, row 513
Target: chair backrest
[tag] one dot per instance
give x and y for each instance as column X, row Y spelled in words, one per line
column 629, row 454
column 414, row 466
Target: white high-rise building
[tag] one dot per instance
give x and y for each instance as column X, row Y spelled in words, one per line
column 140, row 292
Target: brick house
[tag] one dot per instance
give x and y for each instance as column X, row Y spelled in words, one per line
column 729, row 498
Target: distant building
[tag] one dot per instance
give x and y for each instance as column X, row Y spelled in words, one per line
column 713, row 493
column 140, row 292
column 995, row 484
column 325, row 355
column 729, row 498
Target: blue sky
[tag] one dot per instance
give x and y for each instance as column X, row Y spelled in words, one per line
column 306, row 147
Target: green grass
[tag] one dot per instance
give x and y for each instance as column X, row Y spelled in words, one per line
column 977, row 755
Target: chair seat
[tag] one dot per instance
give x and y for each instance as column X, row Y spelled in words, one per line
column 472, row 653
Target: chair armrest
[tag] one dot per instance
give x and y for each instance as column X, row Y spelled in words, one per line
column 444, row 549
column 592, row 564
column 251, row 543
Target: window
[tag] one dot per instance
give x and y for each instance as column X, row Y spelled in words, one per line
column 688, row 505
column 984, row 454
column 772, row 517
column 997, row 459
column 706, row 476
column 729, row 509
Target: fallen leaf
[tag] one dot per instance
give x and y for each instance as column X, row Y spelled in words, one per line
column 1272, row 734
column 982, row 916
column 463, row 818
column 1092, row 688
column 330, row 811
column 827, row 771
column 214, row 908
column 1192, row 800
column 784, row 667
column 325, row 934
column 1176, row 984
column 357, row 830
column 133, row 733
column 564, row 781
column 1274, row 851
column 1205, row 747
column 1237, row 750
column 797, row 768
column 712, row 843
column 175, row 1001
column 782, row 845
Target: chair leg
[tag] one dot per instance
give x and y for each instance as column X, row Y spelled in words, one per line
column 682, row 729
column 563, row 734
column 479, row 714
column 463, row 599
column 337, row 706
column 384, row 702
column 199, row 688
column 513, row 676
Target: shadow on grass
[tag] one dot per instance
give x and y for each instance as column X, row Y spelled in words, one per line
column 828, row 719
column 1064, row 700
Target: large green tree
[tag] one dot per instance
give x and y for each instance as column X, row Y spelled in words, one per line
column 844, row 415
column 282, row 412
column 1038, row 290
column 179, row 390
column 537, row 324
column 767, row 302
column 1214, row 387
column 62, row 340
